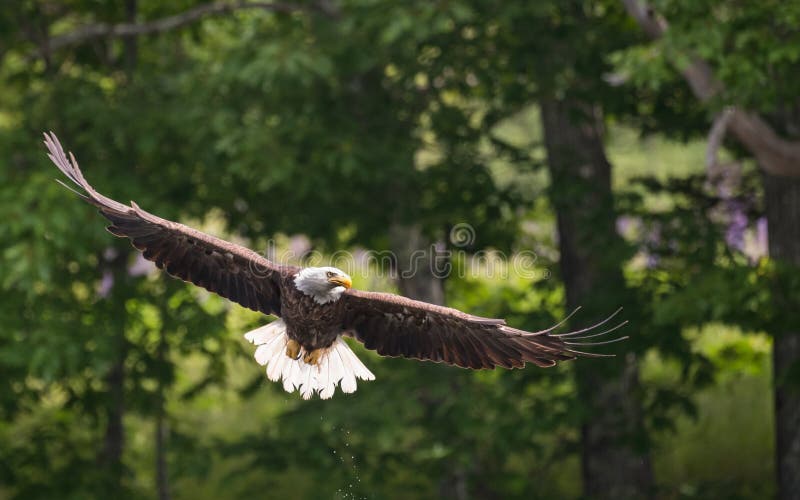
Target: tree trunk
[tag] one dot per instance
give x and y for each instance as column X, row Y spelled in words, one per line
column 590, row 263
column 783, row 221
column 420, row 272
column 113, row 443
column 418, row 264
column 110, row 456
column 162, row 477
column 131, row 48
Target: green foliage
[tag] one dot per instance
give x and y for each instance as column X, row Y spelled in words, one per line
column 753, row 47
column 338, row 126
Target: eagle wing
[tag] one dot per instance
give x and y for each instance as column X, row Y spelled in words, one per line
column 394, row 325
column 227, row 269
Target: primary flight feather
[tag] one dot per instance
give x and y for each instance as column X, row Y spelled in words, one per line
column 316, row 306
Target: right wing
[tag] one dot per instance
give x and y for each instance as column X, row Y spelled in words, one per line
column 227, row 269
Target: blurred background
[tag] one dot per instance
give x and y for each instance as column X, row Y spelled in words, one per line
column 646, row 156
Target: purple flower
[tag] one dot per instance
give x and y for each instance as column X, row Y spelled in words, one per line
column 737, row 225
column 624, row 224
column 106, row 284
column 762, row 235
column 651, row 260
column 140, row 266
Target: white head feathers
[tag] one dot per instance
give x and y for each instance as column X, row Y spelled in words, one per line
column 324, row 284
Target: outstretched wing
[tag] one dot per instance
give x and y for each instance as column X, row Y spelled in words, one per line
column 394, row 325
column 230, row 270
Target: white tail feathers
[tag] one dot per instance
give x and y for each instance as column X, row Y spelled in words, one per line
column 338, row 365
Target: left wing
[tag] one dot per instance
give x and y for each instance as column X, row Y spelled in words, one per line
column 394, row 325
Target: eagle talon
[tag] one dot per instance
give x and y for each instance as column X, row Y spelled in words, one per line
column 293, row 349
column 312, row 358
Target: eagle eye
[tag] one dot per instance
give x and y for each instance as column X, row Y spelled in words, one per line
column 330, row 274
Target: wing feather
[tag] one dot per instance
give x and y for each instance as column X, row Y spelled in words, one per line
column 393, row 325
column 227, row 269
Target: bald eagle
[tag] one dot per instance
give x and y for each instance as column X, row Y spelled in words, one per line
column 316, row 306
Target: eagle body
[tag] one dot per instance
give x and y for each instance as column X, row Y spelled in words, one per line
column 313, row 325
column 315, row 307
column 310, row 306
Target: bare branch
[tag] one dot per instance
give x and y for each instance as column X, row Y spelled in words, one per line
column 654, row 25
column 776, row 155
column 715, row 137
column 104, row 30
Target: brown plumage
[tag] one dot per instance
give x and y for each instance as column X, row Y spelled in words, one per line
column 393, row 325
column 389, row 324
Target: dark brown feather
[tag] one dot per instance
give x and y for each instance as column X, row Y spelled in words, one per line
column 393, row 325
column 246, row 278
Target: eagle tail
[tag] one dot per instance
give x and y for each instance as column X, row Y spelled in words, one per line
column 338, row 365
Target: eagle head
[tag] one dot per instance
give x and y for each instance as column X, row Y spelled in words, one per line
column 324, row 284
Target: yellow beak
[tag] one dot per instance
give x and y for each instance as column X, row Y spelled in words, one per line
column 341, row 281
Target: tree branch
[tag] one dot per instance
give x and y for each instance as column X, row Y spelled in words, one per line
column 104, row 30
column 775, row 155
column 715, row 137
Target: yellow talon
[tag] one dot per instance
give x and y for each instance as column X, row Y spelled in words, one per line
column 312, row 358
column 293, row 349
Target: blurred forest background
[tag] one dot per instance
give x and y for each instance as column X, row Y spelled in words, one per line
column 648, row 154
